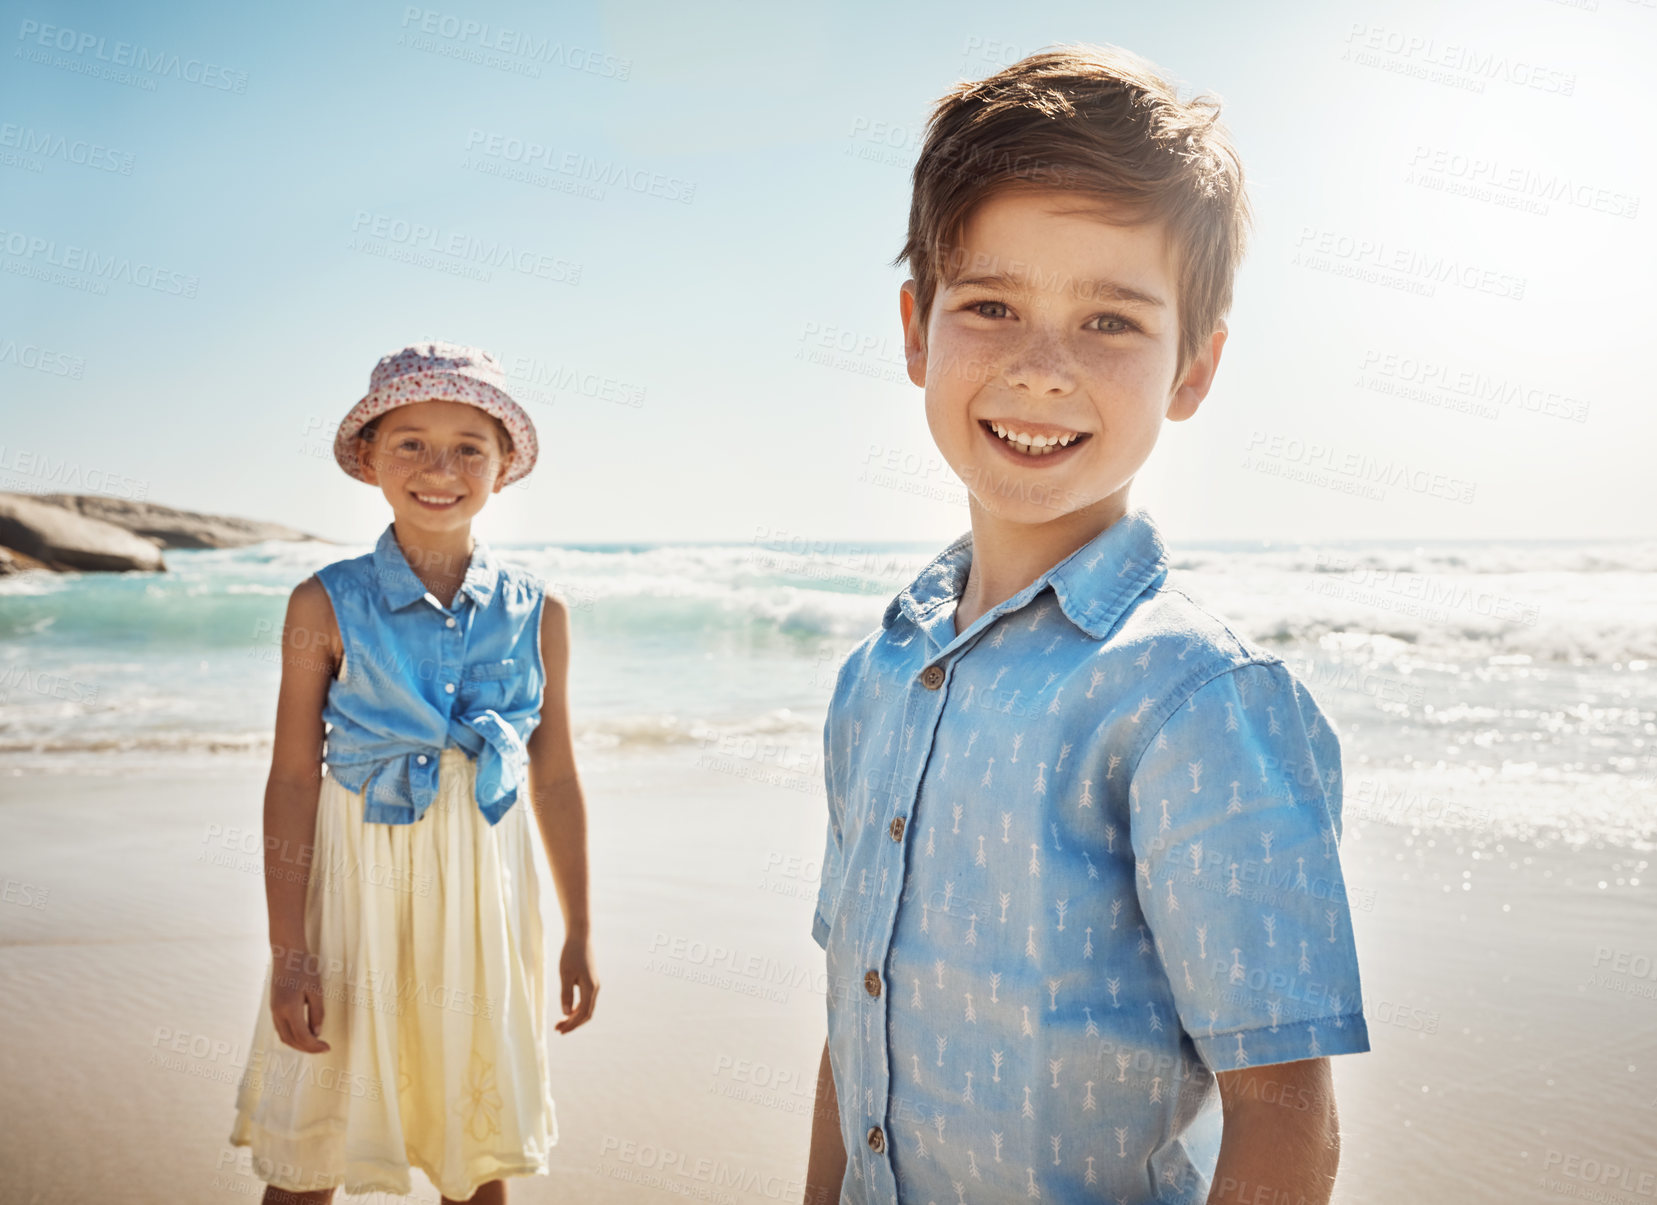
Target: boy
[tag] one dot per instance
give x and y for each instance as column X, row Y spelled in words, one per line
column 1081, row 861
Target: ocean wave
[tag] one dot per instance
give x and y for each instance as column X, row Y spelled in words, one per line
column 168, row 742
column 1480, row 558
column 30, row 582
column 641, row 731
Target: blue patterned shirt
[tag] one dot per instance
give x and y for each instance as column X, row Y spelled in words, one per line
column 1079, row 858
column 419, row 676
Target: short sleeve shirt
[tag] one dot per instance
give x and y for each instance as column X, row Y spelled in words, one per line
column 1079, row 858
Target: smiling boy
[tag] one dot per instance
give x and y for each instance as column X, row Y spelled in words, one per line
column 1081, row 878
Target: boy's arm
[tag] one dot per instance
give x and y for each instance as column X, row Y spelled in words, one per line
column 826, row 1165
column 1281, row 1139
column 561, row 813
column 1235, row 822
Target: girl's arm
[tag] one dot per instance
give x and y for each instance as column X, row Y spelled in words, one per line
column 310, row 657
column 561, row 813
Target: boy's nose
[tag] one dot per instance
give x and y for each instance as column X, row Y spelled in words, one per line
column 1040, row 365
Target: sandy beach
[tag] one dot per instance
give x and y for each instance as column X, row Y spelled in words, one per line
column 1512, row 1000
column 132, row 963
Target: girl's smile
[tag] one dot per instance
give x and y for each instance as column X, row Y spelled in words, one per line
column 437, row 462
column 435, row 501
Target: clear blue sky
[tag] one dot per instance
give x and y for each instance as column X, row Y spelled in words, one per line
column 274, row 161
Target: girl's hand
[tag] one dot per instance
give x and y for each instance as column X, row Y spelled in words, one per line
column 293, row 995
column 575, row 969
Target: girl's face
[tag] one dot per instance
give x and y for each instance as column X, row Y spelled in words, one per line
column 437, row 462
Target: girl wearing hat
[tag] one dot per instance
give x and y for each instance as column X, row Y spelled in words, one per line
column 403, row 1019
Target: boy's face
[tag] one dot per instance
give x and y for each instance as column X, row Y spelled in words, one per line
column 436, row 462
column 1058, row 325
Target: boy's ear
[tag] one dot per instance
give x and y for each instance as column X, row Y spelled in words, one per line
column 914, row 333
column 1199, row 378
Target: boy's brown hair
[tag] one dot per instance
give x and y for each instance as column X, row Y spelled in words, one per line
column 1092, row 119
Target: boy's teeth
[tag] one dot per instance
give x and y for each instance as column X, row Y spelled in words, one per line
column 1035, row 445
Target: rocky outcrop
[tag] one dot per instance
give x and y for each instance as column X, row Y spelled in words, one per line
column 172, row 528
column 60, row 539
column 97, row 532
column 12, row 561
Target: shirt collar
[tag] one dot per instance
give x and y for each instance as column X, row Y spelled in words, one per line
column 399, row 586
column 1094, row 584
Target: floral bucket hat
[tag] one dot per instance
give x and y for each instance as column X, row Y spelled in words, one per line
column 439, row 372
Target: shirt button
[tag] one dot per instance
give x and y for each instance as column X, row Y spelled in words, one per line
column 871, row 983
column 421, row 759
column 932, row 677
column 450, row 622
column 877, row 1140
column 450, row 688
column 897, row 828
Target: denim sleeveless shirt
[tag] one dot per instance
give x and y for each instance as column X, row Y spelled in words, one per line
column 419, row 676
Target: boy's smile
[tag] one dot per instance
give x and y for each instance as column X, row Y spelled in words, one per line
column 1035, row 442
column 1048, row 359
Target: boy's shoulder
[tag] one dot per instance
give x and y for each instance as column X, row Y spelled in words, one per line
column 1186, row 635
column 1184, row 650
column 1168, row 642
column 1161, row 621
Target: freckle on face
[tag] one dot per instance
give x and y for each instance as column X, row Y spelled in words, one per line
column 1040, row 348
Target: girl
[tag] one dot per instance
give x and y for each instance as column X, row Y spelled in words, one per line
column 406, row 978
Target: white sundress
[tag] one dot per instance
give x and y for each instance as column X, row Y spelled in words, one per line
column 429, row 944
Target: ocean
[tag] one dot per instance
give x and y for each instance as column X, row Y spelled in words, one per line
column 1501, row 690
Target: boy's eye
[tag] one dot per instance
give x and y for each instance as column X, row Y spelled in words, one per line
column 1121, row 327
column 980, row 308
